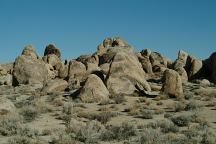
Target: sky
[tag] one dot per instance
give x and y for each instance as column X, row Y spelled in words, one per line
column 78, row 26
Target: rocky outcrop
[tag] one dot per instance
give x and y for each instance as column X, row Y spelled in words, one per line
column 29, row 69
column 5, row 76
column 77, row 70
column 145, row 62
column 182, row 55
column 125, row 73
column 52, row 49
column 88, row 59
column 210, row 67
column 55, row 66
column 6, row 79
column 179, row 65
column 93, row 90
column 172, row 84
column 157, row 59
column 194, row 68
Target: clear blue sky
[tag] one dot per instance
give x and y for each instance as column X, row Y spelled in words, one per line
column 78, row 26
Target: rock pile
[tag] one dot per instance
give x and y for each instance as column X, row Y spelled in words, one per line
column 114, row 69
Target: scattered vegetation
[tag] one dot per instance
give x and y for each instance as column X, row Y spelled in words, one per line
column 181, row 120
column 122, row 132
column 146, row 114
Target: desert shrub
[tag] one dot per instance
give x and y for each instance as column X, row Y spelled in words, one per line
column 42, row 106
column 9, row 125
column 122, row 132
column 208, row 137
column 146, row 114
column 76, row 133
column 67, row 113
column 25, row 102
column 29, row 113
column 90, row 133
column 182, row 120
column 192, row 105
column 102, row 117
column 119, row 99
column 19, row 140
column 64, row 138
column 165, row 126
column 46, row 132
column 190, row 133
column 149, row 136
column 167, row 115
column 179, row 106
column 24, row 140
column 30, row 133
column 158, row 111
column 133, row 110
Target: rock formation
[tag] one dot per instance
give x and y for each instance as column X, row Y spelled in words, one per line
column 29, row 68
column 114, row 69
column 172, row 84
column 93, row 90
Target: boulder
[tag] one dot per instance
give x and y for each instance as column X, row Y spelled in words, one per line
column 182, row 55
column 179, row 65
column 51, row 72
column 29, row 70
column 29, row 51
column 6, row 106
column 119, row 42
column 2, row 71
column 146, row 53
column 101, row 50
column 63, row 71
column 210, row 67
column 183, row 74
column 91, row 67
column 157, row 59
column 6, row 79
column 73, row 84
column 125, row 72
column 88, row 59
column 55, row 85
column 145, row 62
column 107, row 43
column 6, row 68
column 105, row 68
column 52, row 49
column 5, row 76
column 77, row 70
column 53, row 60
column 196, row 69
column 172, row 84
column 55, row 66
column 93, row 90
column 202, row 82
